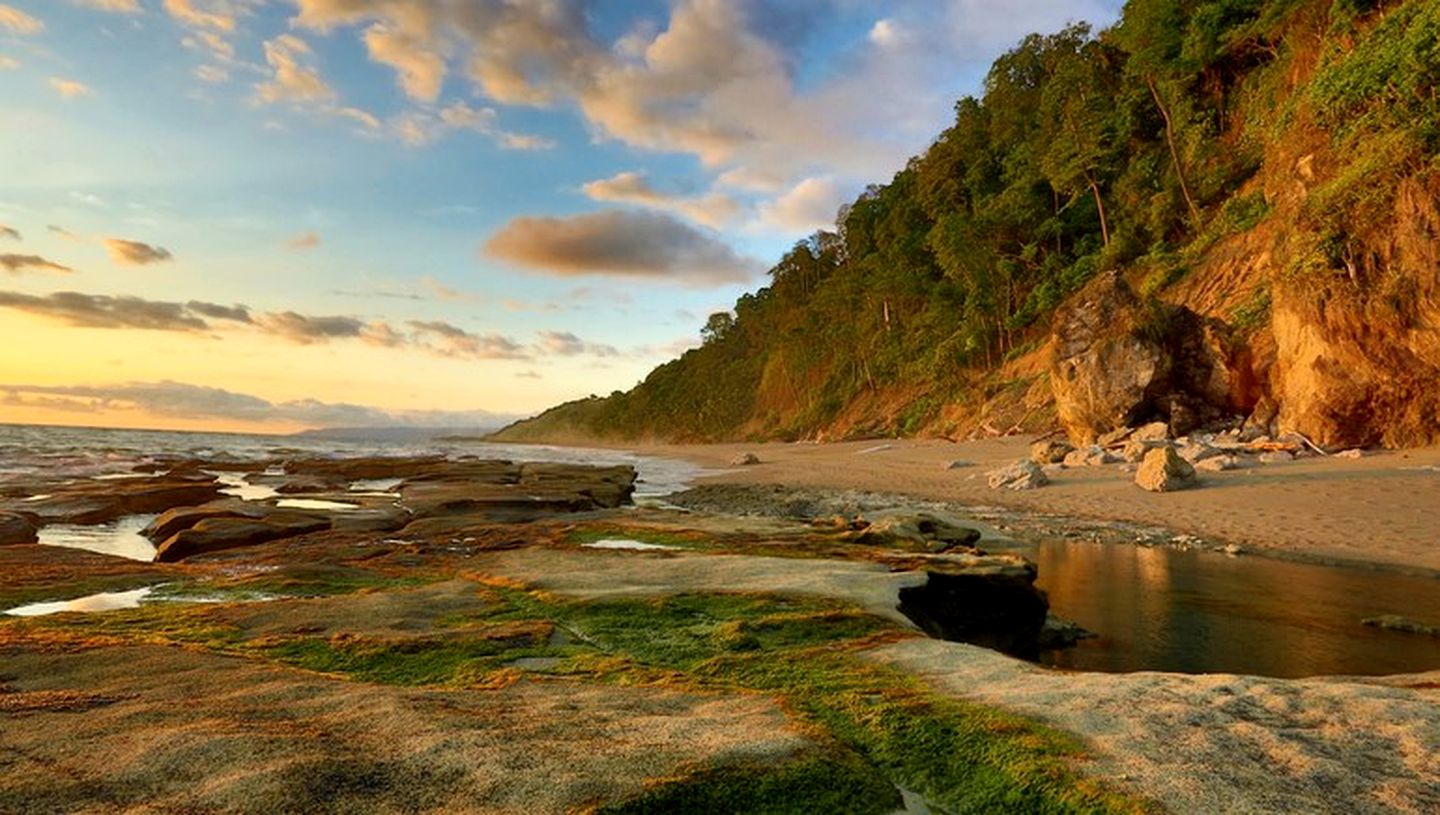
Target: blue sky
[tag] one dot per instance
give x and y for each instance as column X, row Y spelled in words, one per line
column 270, row 214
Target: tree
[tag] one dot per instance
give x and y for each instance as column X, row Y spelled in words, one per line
column 717, row 326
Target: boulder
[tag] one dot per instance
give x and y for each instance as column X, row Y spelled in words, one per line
column 1154, row 431
column 1104, row 366
column 744, row 460
column 1277, row 457
column 987, row 601
column 1352, row 454
column 1092, row 456
column 1022, row 475
column 216, row 534
column 1218, row 464
column 1163, row 470
column 16, row 528
column 920, row 529
column 1117, row 360
column 1135, row 449
column 959, row 464
column 1050, row 451
column 1196, row 452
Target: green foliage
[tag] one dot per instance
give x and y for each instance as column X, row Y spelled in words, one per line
column 841, row 783
column 1254, row 312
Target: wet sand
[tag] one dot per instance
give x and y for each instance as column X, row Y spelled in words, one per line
column 1382, row 510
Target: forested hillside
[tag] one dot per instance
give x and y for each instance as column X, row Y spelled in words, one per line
column 1269, row 164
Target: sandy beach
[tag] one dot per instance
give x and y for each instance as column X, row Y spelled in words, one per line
column 1382, row 510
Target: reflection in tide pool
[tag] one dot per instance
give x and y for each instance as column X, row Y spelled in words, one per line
column 237, row 486
column 121, row 538
column 1203, row 612
column 104, row 601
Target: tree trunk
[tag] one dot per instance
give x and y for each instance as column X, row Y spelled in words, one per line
column 1100, row 205
column 1174, row 153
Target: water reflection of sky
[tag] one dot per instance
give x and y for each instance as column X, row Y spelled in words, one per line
column 1202, row 612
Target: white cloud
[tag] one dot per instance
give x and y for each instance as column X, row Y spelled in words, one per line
column 812, row 204
column 713, row 210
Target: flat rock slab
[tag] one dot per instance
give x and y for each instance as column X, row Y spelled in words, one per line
column 1220, row 743
column 596, row 574
column 97, row 502
column 164, row 729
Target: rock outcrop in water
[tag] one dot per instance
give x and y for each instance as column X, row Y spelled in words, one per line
column 440, row 492
column 101, row 501
column 993, row 603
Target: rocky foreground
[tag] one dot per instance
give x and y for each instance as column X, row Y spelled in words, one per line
column 480, row 636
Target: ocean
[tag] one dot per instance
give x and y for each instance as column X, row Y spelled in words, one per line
column 28, row 451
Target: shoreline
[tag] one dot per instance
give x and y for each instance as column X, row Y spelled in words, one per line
column 1381, row 512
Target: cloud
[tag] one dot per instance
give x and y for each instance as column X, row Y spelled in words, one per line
column 418, row 128
column 135, row 253
column 8, row 63
column 211, row 73
column 116, row 6
column 183, row 400
column 720, row 80
column 448, row 340
column 9, row 232
column 713, row 210
column 565, row 344
column 69, row 88
column 18, row 22
column 15, row 264
column 303, row 242
column 618, row 242
column 294, row 80
column 421, row 71
column 305, row 330
column 217, row 14
column 812, row 204
column 102, row 311
column 215, row 311
column 62, row 232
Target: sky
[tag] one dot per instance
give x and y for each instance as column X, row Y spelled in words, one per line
column 270, row 215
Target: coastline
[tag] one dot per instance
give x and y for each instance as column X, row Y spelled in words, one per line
column 1379, row 512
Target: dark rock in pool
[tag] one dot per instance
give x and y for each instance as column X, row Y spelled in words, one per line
column 16, row 528
column 1060, row 633
column 993, row 604
column 1394, row 622
column 218, row 533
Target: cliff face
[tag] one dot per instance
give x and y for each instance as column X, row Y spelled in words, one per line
column 1268, row 251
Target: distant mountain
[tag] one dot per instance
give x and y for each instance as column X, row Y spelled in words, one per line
column 1214, row 212
column 401, row 434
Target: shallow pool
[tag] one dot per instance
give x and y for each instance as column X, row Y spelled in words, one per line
column 1205, row 612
